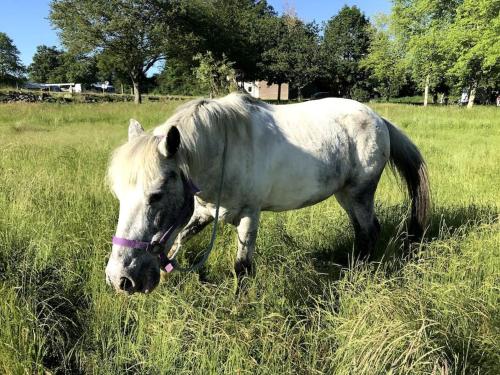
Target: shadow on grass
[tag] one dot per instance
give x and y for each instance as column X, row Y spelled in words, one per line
column 290, row 263
column 57, row 303
column 445, row 222
column 59, row 306
column 308, row 272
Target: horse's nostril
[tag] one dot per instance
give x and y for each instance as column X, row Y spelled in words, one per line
column 126, row 284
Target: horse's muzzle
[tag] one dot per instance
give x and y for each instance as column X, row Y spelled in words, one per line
column 141, row 275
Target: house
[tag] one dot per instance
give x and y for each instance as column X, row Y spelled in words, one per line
column 263, row 90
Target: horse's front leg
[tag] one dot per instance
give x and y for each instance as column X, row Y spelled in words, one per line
column 200, row 219
column 247, row 236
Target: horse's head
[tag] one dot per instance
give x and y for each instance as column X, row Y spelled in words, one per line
column 154, row 199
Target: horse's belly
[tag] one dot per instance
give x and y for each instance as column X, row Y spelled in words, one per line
column 302, row 186
column 293, row 201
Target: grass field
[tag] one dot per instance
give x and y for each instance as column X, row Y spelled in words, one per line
column 437, row 313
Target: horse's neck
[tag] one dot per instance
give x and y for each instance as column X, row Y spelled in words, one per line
column 204, row 164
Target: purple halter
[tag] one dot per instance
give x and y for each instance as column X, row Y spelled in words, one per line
column 167, row 264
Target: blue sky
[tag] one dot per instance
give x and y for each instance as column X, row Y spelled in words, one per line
column 322, row 10
column 25, row 21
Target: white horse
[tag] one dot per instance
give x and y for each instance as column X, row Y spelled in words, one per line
column 251, row 157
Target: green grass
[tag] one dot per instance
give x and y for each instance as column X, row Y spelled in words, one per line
column 438, row 313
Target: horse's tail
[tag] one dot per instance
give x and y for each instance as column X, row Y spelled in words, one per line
column 408, row 162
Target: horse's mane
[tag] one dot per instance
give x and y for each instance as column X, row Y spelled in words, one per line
column 203, row 125
column 135, row 162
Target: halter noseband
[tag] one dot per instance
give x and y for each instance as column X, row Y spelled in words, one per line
column 166, row 263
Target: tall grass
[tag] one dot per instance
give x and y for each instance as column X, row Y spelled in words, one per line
column 308, row 310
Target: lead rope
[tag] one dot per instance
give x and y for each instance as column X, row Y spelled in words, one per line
column 210, row 247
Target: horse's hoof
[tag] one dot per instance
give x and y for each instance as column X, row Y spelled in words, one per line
column 243, row 268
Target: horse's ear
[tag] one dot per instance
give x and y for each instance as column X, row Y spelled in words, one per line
column 172, row 142
column 134, row 129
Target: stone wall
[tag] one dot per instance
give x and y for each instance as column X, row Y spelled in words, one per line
column 45, row 97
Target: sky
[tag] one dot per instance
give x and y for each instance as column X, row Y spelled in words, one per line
column 26, row 23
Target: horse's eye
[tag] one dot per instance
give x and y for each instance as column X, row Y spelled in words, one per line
column 153, row 198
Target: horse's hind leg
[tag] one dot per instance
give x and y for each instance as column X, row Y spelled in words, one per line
column 359, row 204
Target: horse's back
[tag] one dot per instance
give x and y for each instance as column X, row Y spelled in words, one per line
column 326, row 115
column 335, row 126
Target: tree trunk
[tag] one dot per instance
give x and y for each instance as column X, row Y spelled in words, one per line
column 137, row 92
column 279, row 92
column 426, row 91
column 299, row 94
column 472, row 95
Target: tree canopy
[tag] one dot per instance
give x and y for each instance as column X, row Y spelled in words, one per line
column 47, row 65
column 11, row 68
column 384, row 61
column 51, row 65
column 345, row 43
column 474, row 40
column 425, row 46
column 217, row 76
column 449, row 43
column 292, row 55
column 128, row 36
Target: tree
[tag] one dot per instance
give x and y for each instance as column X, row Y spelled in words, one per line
column 218, row 76
column 428, row 57
column 275, row 64
column 11, row 69
column 128, row 36
column 385, row 60
column 455, row 41
column 234, row 28
column 294, row 54
column 46, row 65
column 474, row 40
column 177, row 78
column 53, row 65
column 346, row 41
column 79, row 68
column 420, row 26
